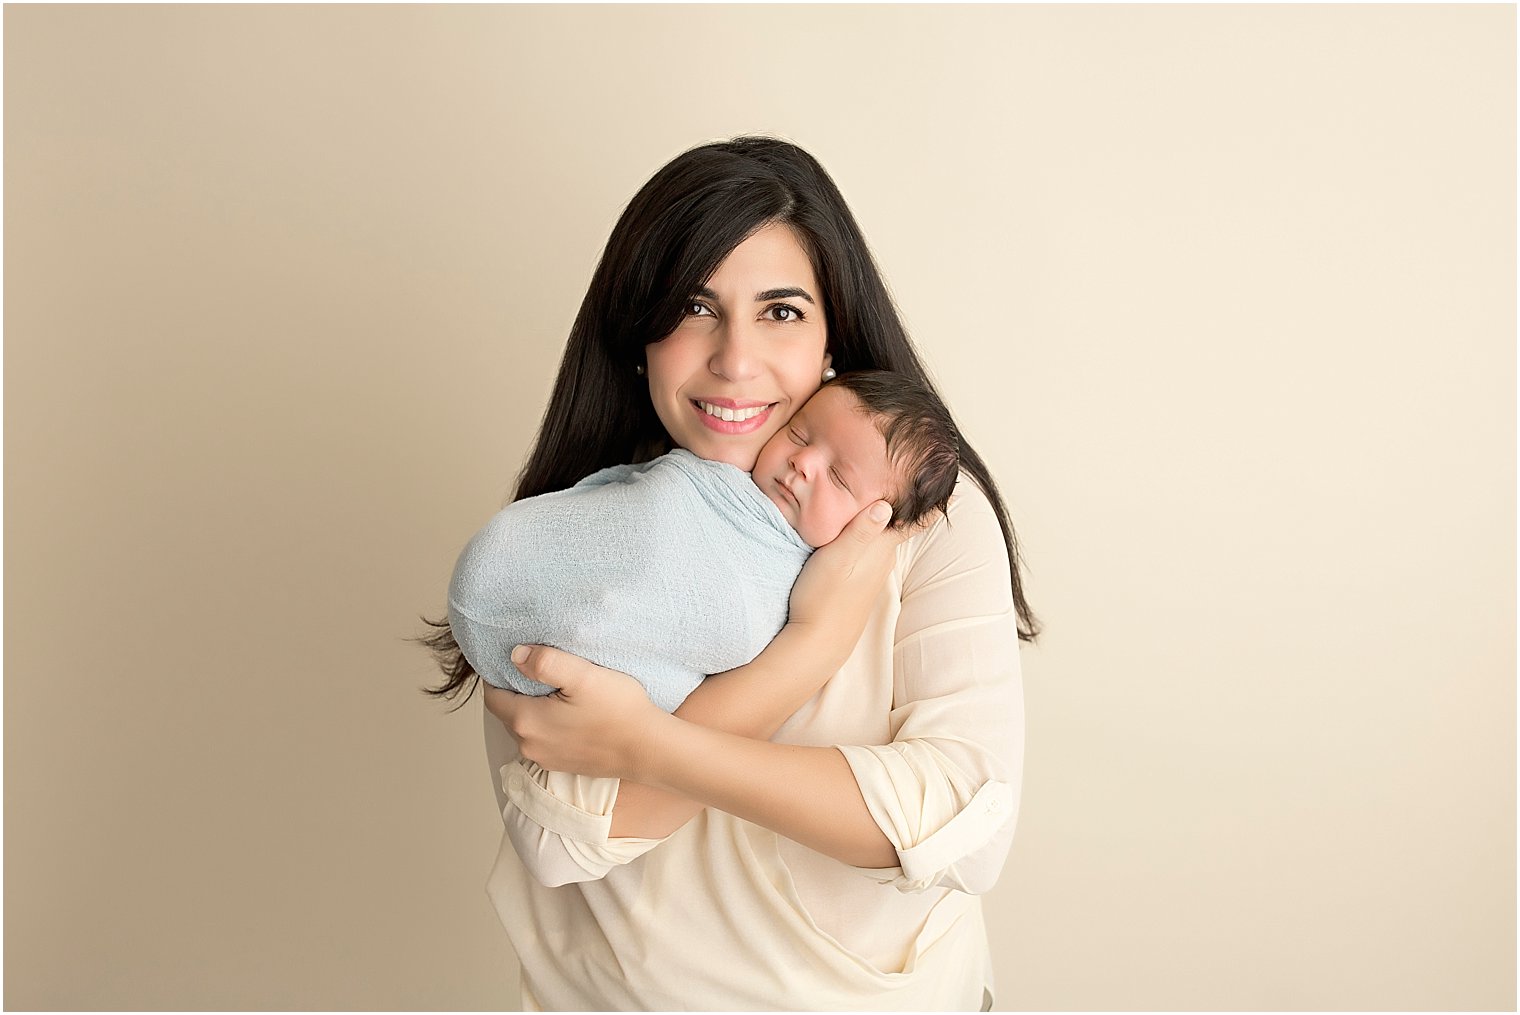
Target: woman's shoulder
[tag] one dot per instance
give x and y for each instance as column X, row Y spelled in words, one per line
column 967, row 534
column 969, row 497
column 967, row 509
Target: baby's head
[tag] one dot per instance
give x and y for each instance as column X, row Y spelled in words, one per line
column 865, row 436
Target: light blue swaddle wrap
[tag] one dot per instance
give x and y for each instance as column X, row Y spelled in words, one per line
column 668, row 571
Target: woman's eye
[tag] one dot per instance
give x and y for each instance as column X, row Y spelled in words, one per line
column 695, row 309
column 786, row 313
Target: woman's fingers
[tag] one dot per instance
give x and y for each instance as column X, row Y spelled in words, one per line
column 865, row 527
column 842, row 578
column 865, row 533
column 595, row 724
column 870, row 529
column 547, row 665
column 538, row 663
column 503, row 704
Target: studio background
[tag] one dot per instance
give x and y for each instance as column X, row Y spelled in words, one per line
column 1225, row 296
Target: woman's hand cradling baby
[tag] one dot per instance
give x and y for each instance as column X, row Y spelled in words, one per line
column 598, row 723
column 841, row 581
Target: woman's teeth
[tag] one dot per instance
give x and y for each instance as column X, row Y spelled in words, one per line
column 732, row 415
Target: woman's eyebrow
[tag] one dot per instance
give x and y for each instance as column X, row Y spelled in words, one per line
column 761, row 297
column 782, row 294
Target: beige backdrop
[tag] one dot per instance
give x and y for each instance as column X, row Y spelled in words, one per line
column 1225, row 295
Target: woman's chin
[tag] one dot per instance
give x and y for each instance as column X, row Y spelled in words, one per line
column 730, row 453
column 744, row 463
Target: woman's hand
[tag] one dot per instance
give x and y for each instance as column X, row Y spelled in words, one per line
column 840, row 582
column 599, row 723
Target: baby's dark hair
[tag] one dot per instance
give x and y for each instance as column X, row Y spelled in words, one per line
column 922, row 440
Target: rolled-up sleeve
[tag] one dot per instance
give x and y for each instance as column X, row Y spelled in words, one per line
column 945, row 791
column 558, row 823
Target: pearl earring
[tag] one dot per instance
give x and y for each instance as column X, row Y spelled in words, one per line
column 829, row 374
column 639, row 370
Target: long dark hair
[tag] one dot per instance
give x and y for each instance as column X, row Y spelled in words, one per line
column 670, row 239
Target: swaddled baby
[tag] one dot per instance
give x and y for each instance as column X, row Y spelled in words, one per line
column 677, row 568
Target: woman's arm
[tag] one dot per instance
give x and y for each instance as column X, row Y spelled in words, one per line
column 829, row 605
column 600, row 723
column 751, row 701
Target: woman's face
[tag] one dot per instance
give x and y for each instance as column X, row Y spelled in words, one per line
column 749, row 352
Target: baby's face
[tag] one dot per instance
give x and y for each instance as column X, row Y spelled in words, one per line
column 825, row 466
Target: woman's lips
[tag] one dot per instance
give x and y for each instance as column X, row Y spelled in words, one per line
column 736, row 426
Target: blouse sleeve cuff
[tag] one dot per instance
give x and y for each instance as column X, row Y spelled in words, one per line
column 903, row 815
column 968, row 831
column 526, row 786
column 559, row 824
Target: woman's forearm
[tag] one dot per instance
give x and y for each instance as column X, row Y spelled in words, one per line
column 751, row 701
column 754, row 700
column 808, row 794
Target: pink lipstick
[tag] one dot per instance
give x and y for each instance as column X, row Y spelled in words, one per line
column 746, row 416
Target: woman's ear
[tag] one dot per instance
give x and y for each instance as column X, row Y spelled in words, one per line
column 828, row 360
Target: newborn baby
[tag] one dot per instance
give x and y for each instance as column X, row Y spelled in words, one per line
column 677, row 568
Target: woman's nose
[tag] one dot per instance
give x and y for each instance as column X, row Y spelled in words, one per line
column 736, row 357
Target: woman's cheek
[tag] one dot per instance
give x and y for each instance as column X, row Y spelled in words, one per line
column 806, row 386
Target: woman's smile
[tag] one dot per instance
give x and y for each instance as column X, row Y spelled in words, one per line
column 729, row 417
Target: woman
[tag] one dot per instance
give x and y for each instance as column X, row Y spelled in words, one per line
column 811, row 830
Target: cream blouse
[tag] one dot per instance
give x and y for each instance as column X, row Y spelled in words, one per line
column 727, row 915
